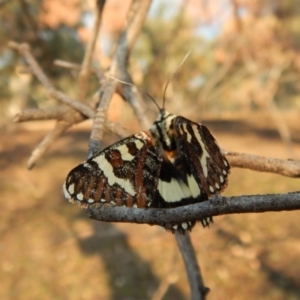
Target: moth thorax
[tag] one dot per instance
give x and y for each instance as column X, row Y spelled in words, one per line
column 163, row 131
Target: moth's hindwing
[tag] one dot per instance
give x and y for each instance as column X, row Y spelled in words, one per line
column 126, row 173
column 208, row 165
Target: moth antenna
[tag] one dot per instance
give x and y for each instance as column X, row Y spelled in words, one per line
column 172, row 75
column 142, row 91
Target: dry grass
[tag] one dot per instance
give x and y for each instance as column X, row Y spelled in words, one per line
column 50, row 250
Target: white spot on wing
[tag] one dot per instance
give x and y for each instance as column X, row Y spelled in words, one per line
column 134, row 205
column 91, row 200
column 184, row 226
column 177, row 190
column 211, row 189
column 173, row 191
column 217, row 186
column 221, row 179
column 71, row 188
column 66, row 193
column 194, row 187
column 175, row 227
column 125, row 155
column 139, row 144
column 125, row 151
column 108, row 171
column 79, row 196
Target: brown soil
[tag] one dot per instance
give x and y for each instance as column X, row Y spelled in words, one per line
column 49, row 248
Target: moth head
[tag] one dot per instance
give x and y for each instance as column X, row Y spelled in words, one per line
column 163, row 131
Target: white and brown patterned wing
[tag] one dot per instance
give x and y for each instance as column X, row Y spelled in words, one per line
column 202, row 154
column 126, row 173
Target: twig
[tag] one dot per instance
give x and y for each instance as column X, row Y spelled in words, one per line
column 66, row 117
column 50, row 113
column 86, row 64
column 66, row 64
column 273, row 86
column 55, row 133
column 290, row 168
column 135, row 18
column 116, row 128
column 198, row 289
column 70, row 65
column 79, row 106
column 106, row 93
column 60, row 126
column 61, row 113
column 216, row 78
column 217, row 205
column 24, row 49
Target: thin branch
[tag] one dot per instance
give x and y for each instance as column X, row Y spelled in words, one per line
column 65, row 117
column 70, row 65
column 273, row 86
column 50, row 113
column 216, row 78
column 135, row 18
column 116, row 128
column 60, row 126
column 133, row 96
column 55, row 133
column 66, row 64
column 61, row 113
column 217, row 205
column 198, row 289
column 77, row 105
column 86, row 64
column 24, row 49
column 97, row 132
column 290, row 167
column 106, row 93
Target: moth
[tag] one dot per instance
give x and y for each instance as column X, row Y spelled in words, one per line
column 175, row 163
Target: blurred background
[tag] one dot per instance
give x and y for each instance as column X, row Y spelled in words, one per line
column 241, row 80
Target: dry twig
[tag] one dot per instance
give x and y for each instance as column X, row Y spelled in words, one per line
column 193, row 270
column 217, row 205
column 65, row 116
column 290, row 167
column 86, row 64
column 135, row 18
